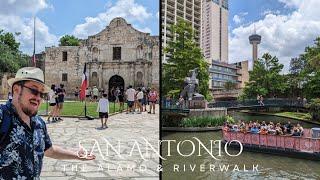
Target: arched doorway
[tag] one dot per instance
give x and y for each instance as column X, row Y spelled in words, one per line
column 114, row 82
column 94, row 79
column 139, row 81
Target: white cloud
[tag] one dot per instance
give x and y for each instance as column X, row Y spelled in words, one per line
column 284, row 36
column 145, row 30
column 292, row 3
column 15, row 7
column 12, row 23
column 14, row 18
column 276, row 12
column 239, row 18
column 157, row 15
column 108, row 5
column 128, row 9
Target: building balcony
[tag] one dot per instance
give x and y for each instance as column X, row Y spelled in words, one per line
column 224, row 80
column 211, row 70
column 231, row 66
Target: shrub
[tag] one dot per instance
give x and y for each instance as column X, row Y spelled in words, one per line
column 314, row 108
column 204, row 121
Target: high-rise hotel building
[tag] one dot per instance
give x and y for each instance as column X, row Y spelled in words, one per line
column 214, row 40
column 214, row 30
column 209, row 19
column 172, row 10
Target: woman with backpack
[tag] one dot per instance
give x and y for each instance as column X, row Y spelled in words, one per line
column 153, row 97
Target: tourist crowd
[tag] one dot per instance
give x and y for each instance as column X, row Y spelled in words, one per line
column 137, row 99
column 263, row 128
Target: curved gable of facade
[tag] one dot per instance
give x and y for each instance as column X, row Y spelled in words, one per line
column 118, row 32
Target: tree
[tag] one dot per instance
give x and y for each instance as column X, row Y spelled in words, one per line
column 68, row 40
column 11, row 59
column 312, row 57
column 312, row 87
column 311, row 70
column 295, row 77
column 184, row 55
column 314, row 107
column 9, row 40
column 265, row 78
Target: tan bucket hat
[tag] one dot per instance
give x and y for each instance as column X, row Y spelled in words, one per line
column 29, row 74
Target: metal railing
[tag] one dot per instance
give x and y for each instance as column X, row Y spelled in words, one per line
column 277, row 102
column 302, row 144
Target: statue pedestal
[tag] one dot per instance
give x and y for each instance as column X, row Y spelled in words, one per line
column 197, row 104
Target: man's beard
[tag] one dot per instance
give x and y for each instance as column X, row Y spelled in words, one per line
column 25, row 109
column 28, row 111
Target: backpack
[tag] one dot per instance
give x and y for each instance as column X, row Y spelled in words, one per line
column 153, row 96
column 5, row 123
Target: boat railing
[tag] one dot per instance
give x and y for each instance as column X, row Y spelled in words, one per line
column 303, row 144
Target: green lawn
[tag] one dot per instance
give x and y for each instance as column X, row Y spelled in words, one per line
column 77, row 108
column 295, row 115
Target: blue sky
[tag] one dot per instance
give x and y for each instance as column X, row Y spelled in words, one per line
column 286, row 27
column 55, row 18
column 255, row 9
column 65, row 15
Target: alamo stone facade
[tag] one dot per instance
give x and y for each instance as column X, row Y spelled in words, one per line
column 118, row 56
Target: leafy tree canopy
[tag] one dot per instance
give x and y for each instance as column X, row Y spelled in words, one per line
column 68, row 40
column 184, row 55
column 11, row 59
column 9, row 40
column 265, row 78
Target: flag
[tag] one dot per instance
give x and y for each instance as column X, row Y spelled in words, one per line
column 84, row 83
column 34, row 59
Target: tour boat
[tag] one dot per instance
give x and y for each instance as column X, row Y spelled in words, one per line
column 306, row 146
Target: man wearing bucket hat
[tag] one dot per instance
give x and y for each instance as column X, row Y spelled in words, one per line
column 24, row 139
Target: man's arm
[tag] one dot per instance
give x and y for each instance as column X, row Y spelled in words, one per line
column 57, row 152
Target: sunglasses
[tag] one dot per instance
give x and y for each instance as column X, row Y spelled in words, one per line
column 35, row 92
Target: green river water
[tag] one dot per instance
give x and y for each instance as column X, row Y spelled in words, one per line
column 204, row 166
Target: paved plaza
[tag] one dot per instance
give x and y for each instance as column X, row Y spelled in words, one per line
column 127, row 134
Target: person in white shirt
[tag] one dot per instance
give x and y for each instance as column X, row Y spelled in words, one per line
column 53, row 104
column 139, row 100
column 130, row 94
column 95, row 92
column 88, row 94
column 103, row 109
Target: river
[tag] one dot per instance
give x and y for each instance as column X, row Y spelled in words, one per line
column 257, row 165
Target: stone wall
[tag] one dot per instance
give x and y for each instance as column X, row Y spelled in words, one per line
column 212, row 112
column 4, row 85
column 138, row 65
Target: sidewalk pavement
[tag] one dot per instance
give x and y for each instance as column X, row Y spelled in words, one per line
column 125, row 133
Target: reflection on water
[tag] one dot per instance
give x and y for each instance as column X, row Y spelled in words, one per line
column 206, row 167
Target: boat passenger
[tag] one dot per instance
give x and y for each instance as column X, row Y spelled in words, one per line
column 278, row 129
column 263, row 131
column 235, row 128
column 257, row 124
column 250, row 125
column 225, row 128
column 300, row 129
column 288, row 128
column 271, row 125
column 254, row 129
column 263, row 125
column 296, row 132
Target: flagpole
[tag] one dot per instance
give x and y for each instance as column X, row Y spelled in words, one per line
column 34, row 42
column 84, row 86
column 85, row 107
